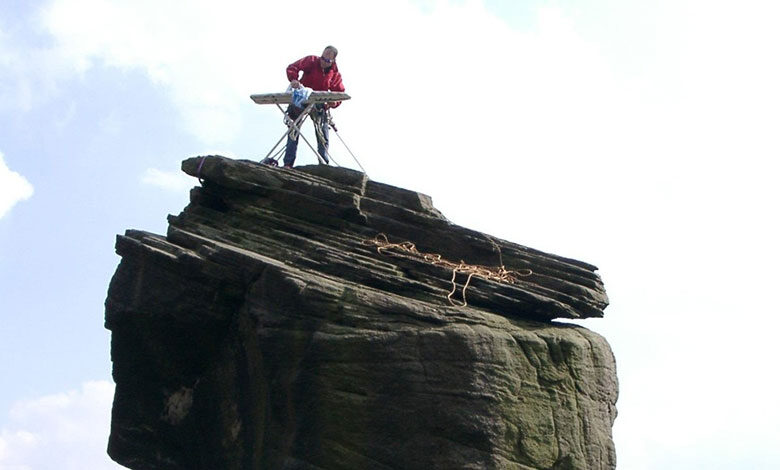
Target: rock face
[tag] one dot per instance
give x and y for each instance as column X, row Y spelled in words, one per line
column 281, row 324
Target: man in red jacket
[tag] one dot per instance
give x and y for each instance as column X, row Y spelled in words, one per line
column 320, row 73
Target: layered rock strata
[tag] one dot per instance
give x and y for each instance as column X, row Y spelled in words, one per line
column 286, row 322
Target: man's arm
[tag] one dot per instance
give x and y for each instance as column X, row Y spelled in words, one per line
column 294, row 69
column 336, row 85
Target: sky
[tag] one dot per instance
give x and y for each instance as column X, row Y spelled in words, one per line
column 638, row 136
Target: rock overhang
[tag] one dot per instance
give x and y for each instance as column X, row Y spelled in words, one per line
column 327, row 220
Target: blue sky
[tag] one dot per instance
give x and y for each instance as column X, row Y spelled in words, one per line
column 638, row 136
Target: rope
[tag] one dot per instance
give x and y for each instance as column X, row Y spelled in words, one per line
column 200, row 165
column 498, row 249
column 408, row 250
column 333, row 126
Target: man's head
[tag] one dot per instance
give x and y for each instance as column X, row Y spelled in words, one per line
column 328, row 56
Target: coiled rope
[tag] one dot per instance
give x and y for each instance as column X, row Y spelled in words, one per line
column 408, row 250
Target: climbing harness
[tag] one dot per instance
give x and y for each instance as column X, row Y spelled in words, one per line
column 408, row 250
column 317, row 118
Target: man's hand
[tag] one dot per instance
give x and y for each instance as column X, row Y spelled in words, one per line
column 295, row 84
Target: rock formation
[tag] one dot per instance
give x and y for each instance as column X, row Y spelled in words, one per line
column 286, row 321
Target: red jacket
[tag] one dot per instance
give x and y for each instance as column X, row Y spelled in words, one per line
column 314, row 77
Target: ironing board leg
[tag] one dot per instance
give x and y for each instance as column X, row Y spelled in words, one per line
column 294, row 125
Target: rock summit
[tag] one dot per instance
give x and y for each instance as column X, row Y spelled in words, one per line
column 315, row 319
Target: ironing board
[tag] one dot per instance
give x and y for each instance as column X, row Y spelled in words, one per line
column 278, row 99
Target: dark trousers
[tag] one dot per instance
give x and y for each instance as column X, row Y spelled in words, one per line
column 320, row 119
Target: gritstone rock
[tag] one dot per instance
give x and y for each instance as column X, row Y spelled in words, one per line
column 286, row 321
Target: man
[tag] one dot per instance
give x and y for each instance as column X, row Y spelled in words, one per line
column 319, row 74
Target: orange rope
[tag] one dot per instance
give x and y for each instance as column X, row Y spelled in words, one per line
column 408, row 250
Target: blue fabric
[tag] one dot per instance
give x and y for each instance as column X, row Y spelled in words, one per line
column 299, row 95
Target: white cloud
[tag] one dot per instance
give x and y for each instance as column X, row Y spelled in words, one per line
column 174, row 181
column 66, row 431
column 206, row 55
column 29, row 75
column 13, row 188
